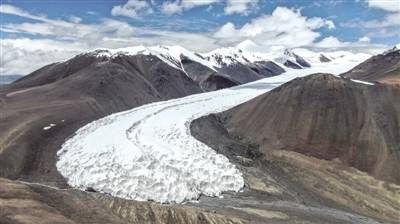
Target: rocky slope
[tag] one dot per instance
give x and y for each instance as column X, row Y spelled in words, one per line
column 27, row 203
column 384, row 68
column 39, row 111
column 301, row 188
column 327, row 117
column 323, row 142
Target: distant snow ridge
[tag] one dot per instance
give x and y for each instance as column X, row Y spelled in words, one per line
column 297, row 58
column 169, row 54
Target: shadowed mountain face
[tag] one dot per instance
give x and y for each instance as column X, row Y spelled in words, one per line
column 207, row 78
column 329, row 118
column 384, row 68
column 69, row 95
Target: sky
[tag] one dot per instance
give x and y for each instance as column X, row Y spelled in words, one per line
column 38, row 32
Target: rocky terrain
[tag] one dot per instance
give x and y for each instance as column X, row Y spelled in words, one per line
column 308, row 112
column 65, row 96
column 23, row 202
column 300, row 188
column 333, row 141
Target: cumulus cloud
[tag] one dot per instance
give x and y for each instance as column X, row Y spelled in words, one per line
column 241, row 6
column 132, row 8
column 387, row 5
column 330, row 42
column 226, row 31
column 22, row 56
column 283, row 27
column 364, row 39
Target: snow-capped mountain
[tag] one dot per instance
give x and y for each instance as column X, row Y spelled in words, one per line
column 292, row 60
column 230, row 65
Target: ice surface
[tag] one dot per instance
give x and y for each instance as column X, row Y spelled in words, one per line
column 49, row 127
column 148, row 153
column 363, row 82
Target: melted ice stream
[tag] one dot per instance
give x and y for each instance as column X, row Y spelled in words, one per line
column 148, row 153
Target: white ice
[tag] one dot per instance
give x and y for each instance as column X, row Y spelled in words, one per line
column 148, row 153
column 48, row 126
column 363, row 82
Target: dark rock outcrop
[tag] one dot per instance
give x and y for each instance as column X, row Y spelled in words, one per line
column 323, row 58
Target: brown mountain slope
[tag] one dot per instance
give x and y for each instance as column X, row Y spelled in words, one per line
column 384, row 68
column 329, row 118
column 69, row 95
column 26, row 203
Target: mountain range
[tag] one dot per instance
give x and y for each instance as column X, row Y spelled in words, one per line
column 319, row 148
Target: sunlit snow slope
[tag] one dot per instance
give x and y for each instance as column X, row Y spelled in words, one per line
column 148, row 153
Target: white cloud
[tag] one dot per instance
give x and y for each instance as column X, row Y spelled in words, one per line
column 172, row 7
column 226, row 31
column 9, row 9
column 178, row 6
column 22, row 56
column 75, row 19
column 239, row 6
column 283, row 27
column 132, row 8
column 231, row 6
column 387, row 5
column 330, row 42
column 334, row 44
column 317, row 22
column 364, row 39
column 387, row 21
column 389, row 26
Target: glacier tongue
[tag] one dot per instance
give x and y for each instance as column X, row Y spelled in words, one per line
column 148, row 153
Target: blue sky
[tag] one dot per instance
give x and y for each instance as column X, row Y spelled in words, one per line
column 46, row 31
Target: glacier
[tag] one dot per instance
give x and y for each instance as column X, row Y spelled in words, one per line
column 148, row 152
